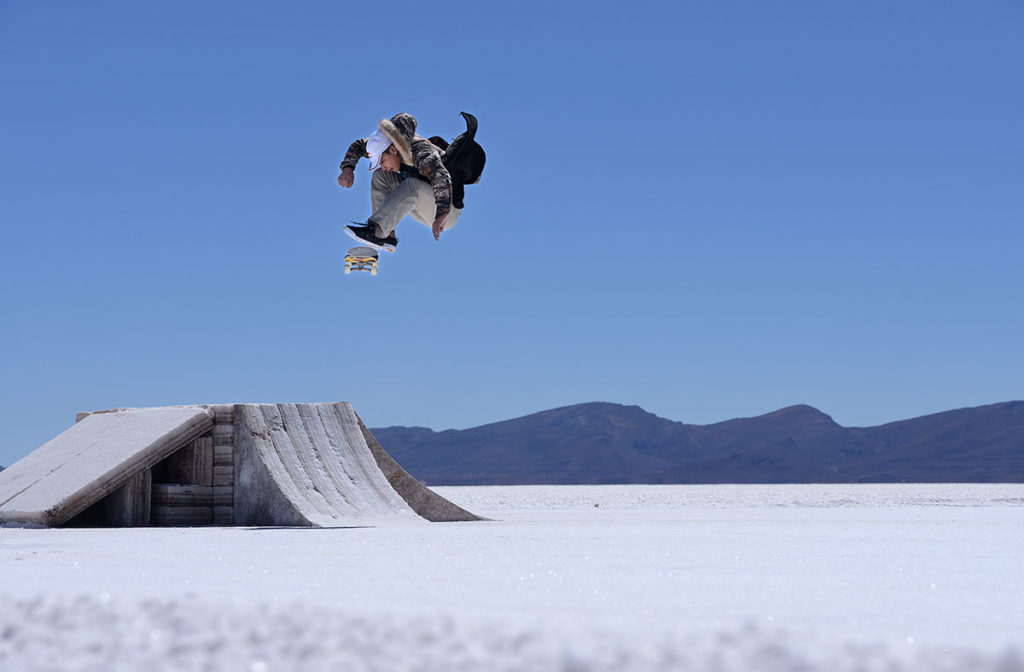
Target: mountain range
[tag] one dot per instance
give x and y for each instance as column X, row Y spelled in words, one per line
column 610, row 443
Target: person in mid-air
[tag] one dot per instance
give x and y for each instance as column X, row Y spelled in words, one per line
column 409, row 178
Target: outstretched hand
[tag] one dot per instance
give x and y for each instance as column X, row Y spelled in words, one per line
column 347, row 178
column 439, row 226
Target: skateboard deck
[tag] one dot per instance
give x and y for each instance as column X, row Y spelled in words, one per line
column 361, row 259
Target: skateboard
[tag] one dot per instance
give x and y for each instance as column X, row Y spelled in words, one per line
column 361, row 259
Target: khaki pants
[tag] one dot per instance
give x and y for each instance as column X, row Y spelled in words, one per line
column 394, row 197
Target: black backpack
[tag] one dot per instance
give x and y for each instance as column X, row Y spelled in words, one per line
column 463, row 158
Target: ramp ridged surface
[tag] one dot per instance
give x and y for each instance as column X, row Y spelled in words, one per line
column 93, row 458
column 309, row 464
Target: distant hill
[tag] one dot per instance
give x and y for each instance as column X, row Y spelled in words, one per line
column 611, row 443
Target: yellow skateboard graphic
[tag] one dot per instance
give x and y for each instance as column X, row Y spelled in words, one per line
column 361, row 259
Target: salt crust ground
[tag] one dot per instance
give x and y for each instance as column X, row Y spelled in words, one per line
column 709, row 578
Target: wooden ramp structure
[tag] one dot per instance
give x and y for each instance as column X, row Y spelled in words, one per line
column 227, row 464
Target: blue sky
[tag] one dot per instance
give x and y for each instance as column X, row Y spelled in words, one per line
column 711, row 210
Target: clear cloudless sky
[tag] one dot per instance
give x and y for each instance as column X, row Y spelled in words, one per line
column 708, row 209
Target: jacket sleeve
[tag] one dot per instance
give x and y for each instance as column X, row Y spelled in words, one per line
column 356, row 151
column 428, row 162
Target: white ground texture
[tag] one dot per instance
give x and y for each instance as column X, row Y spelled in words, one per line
column 703, row 578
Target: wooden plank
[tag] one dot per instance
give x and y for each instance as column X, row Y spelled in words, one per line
column 184, row 516
column 224, row 435
column 223, row 495
column 223, row 456
column 168, row 494
column 223, row 476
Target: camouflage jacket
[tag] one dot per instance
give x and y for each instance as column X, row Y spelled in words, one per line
column 418, row 154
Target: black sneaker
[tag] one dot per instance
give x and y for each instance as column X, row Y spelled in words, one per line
column 366, row 236
column 390, row 241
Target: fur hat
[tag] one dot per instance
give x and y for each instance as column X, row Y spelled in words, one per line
column 402, row 143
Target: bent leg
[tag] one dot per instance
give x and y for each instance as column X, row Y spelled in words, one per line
column 395, row 197
column 381, row 185
column 410, row 197
column 425, row 211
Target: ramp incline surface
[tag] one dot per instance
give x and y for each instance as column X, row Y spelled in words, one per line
column 93, row 458
column 307, row 464
column 311, row 464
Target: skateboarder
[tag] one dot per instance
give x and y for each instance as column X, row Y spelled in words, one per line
column 409, row 178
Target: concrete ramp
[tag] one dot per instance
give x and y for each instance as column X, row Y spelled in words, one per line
column 308, row 464
column 227, row 464
column 92, row 460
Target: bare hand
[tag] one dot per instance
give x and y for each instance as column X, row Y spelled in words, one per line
column 439, row 226
column 347, row 178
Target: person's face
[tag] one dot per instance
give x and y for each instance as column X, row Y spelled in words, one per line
column 389, row 160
